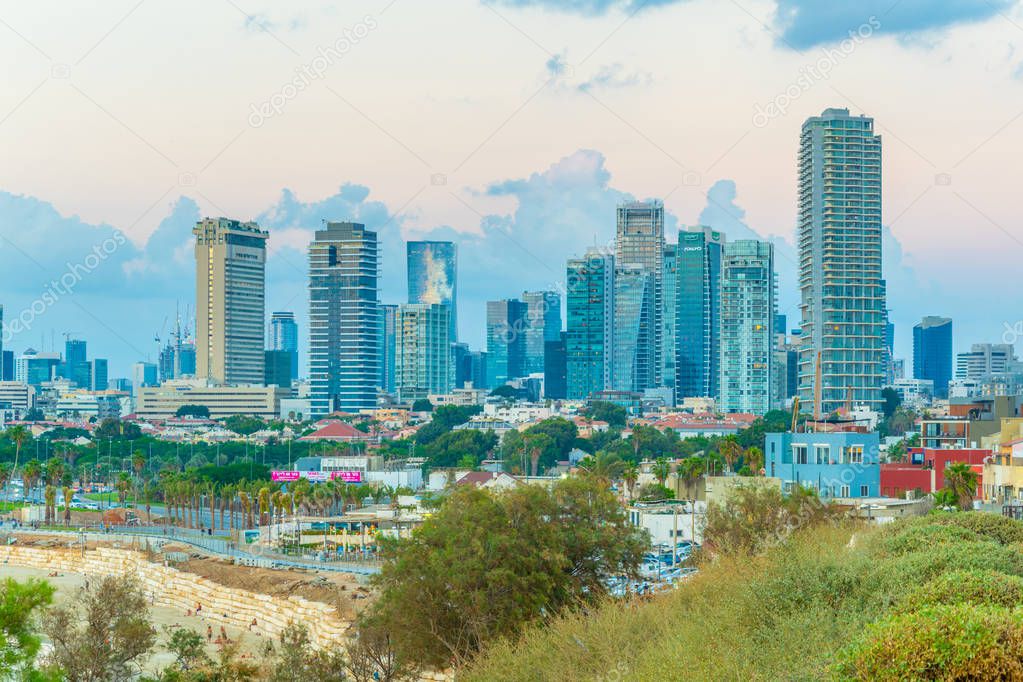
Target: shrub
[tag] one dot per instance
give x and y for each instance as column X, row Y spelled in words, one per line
column 1001, row 529
column 959, row 642
column 916, row 538
column 977, row 587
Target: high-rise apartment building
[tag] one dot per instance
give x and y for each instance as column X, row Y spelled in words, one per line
column 344, row 318
column 748, row 303
column 506, row 341
column 590, row 328
column 230, row 260
column 840, row 281
column 433, row 276
column 423, row 363
column 282, row 335
column 634, row 356
column 639, row 240
column 932, row 352
column 698, row 312
column 985, row 360
column 543, row 324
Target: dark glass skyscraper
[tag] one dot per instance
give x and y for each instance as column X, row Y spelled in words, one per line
column 344, row 319
column 433, row 276
column 698, row 313
column 283, row 336
column 543, row 324
column 506, row 341
column 555, row 370
column 932, row 352
column 588, row 341
column 388, row 347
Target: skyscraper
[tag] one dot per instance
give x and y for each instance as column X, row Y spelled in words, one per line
column 668, row 315
column 76, row 367
column 840, row 281
column 230, row 259
column 506, row 341
column 143, row 374
column 543, row 324
column 423, row 363
column 698, row 312
column 983, row 361
column 589, row 337
column 278, row 368
column 388, row 347
column 634, row 358
column 282, row 335
column 433, row 276
column 98, row 374
column 555, row 369
column 932, row 352
column 639, row 240
column 344, row 319
column 747, row 327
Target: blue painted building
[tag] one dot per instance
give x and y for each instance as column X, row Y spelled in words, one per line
column 834, row 464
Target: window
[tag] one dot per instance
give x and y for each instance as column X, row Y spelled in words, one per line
column 864, row 491
column 799, row 454
column 845, row 491
column 822, row 454
column 856, row 454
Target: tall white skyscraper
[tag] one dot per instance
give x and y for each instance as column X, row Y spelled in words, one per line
column 840, row 281
column 639, row 240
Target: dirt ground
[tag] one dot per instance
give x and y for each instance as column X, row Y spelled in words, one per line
column 164, row 619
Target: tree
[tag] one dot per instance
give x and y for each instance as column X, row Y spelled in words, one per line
column 731, row 451
column 891, row 401
column 754, row 460
column 651, row 492
column 487, row 563
column 961, row 479
column 188, row 648
column 103, row 634
column 539, row 447
column 422, row 405
column 615, row 415
column 443, row 419
column 66, row 493
column 604, row 466
column 244, row 425
column 691, row 470
column 17, row 435
column 661, row 469
column 630, row 474
column 115, row 429
column 199, row 411
column 20, row 603
column 562, row 432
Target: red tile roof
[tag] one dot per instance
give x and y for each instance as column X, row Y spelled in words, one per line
column 337, row 431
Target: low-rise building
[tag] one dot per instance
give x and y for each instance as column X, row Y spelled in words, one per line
column 163, row 402
column 839, row 465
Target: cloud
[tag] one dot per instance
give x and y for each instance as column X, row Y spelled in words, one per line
column 807, row 23
column 589, row 7
column 611, row 76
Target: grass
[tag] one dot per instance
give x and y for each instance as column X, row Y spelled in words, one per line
column 835, row 602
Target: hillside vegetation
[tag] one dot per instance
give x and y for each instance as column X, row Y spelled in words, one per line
column 934, row 597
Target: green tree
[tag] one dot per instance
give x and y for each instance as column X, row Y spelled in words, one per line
column 422, row 405
column 891, row 401
column 20, row 604
column 661, row 469
column 562, row 432
column 200, row 411
column 604, row 466
column 188, row 648
column 691, row 470
column 961, row 479
column 18, row 435
column 443, row 420
column 615, row 415
column 103, row 634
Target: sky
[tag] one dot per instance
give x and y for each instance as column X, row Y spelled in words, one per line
column 513, row 127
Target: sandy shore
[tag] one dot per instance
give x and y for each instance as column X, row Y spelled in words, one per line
column 67, row 584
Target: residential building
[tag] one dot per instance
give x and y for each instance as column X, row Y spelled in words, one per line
column 543, row 324
column 932, row 352
column 344, row 318
column 506, row 341
column 590, row 329
column 555, row 369
column 837, row 465
column 282, row 335
column 748, row 291
column 925, row 473
column 841, row 285
column 698, row 313
column 984, row 360
column 423, row 360
column 162, row 402
column 433, row 276
column 639, row 241
column 634, row 354
column 230, row 310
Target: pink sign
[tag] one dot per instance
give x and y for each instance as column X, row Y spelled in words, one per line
column 316, row 476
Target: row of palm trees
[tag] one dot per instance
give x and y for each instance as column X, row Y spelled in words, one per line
column 613, row 469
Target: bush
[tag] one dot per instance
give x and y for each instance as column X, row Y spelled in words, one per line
column 960, row 642
column 1001, row 529
column 977, row 587
column 916, row 538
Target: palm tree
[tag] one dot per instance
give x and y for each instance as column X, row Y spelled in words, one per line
column 604, row 466
column 945, row 499
column 630, row 474
column 30, row 474
column 661, row 470
column 67, row 505
column 690, row 470
column 731, row 451
column 755, row 460
column 17, row 435
column 961, row 479
column 246, row 502
column 123, row 486
column 50, row 495
column 264, row 505
column 138, row 463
